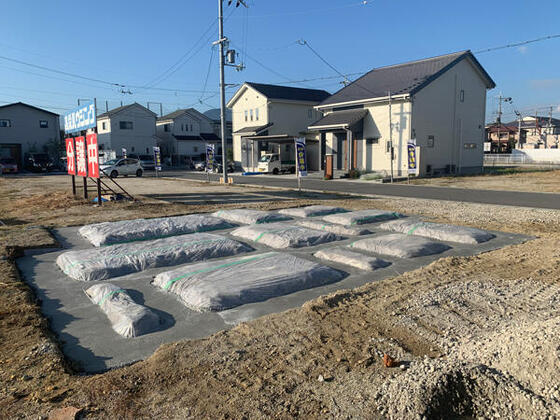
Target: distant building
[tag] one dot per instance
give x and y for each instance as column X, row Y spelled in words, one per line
column 503, row 138
column 541, row 132
column 27, row 129
column 132, row 127
column 184, row 133
column 268, row 117
column 440, row 102
column 214, row 115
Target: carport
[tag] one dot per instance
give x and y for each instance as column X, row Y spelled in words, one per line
column 252, row 147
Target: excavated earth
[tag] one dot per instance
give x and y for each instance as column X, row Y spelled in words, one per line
column 473, row 337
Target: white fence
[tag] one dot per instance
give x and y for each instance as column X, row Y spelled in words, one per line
column 524, row 157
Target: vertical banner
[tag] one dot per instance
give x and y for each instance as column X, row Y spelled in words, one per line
column 210, row 157
column 157, row 158
column 301, row 158
column 70, row 156
column 123, row 152
column 92, row 155
column 81, row 160
column 412, row 163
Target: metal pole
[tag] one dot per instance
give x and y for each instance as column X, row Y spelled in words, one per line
column 297, row 167
column 519, row 145
column 391, row 136
column 222, row 89
column 73, row 185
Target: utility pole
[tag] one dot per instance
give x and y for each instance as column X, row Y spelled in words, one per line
column 222, row 40
column 391, row 136
column 499, row 119
column 549, row 131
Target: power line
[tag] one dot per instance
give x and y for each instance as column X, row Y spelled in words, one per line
column 207, row 73
column 305, row 12
column 305, row 43
column 517, row 44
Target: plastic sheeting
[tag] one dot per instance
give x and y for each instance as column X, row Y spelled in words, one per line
column 443, row 232
column 118, row 260
column 353, row 259
column 279, row 235
column 127, row 317
column 361, row 217
column 399, row 245
column 220, row 285
column 109, row 233
column 250, row 217
column 312, row 211
column 334, row 228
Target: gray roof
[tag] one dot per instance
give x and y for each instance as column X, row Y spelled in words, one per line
column 340, row 118
column 214, row 114
column 253, row 129
column 406, row 78
column 114, row 111
column 290, row 93
column 29, row 106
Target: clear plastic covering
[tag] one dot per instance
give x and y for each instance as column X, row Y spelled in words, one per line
column 353, row 259
column 127, row 317
column 220, row 285
column 109, row 233
column 399, row 245
column 312, row 211
column 443, row 232
column 118, row 260
column 334, row 228
column 280, row 235
column 361, row 217
column 250, row 216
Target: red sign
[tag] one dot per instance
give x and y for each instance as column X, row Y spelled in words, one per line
column 92, row 155
column 70, row 162
column 81, row 160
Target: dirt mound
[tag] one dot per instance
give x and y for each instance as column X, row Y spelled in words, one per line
column 443, row 389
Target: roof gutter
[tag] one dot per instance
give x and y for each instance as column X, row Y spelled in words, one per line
column 363, row 101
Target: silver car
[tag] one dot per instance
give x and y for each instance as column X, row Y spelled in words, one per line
column 122, row 166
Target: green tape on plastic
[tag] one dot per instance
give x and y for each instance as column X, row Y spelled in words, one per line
column 206, row 270
column 274, row 231
column 114, row 292
column 416, row 226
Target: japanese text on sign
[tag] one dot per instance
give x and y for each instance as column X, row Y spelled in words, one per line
column 301, row 158
column 70, row 159
column 157, row 158
column 81, row 160
column 80, row 118
column 92, row 155
column 412, row 164
column 209, row 157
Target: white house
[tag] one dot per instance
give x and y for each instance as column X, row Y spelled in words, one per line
column 27, row 129
column 440, row 102
column 186, row 132
column 132, row 127
column 268, row 117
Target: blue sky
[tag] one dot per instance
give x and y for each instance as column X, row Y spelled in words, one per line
column 135, row 43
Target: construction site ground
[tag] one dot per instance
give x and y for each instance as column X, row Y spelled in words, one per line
column 473, row 336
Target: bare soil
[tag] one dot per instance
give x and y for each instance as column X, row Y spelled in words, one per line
column 473, row 336
column 530, row 181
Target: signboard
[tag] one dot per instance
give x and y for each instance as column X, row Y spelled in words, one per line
column 81, row 160
column 92, row 155
column 412, row 163
column 301, row 157
column 157, row 158
column 70, row 156
column 80, row 118
column 123, row 152
column 210, row 157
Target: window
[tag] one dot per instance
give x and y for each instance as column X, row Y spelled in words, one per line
column 246, row 114
column 147, row 150
column 182, row 127
column 195, row 149
column 165, row 128
column 5, row 123
column 372, row 140
column 257, row 114
column 43, row 124
column 462, row 96
column 191, row 128
column 125, row 125
column 251, row 114
column 103, row 125
column 388, row 146
column 431, row 141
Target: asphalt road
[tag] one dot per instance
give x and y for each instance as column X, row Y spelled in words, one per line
column 505, row 198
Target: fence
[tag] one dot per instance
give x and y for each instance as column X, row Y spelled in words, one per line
column 524, row 157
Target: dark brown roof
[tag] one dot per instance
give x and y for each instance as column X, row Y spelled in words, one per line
column 406, row 78
column 340, row 118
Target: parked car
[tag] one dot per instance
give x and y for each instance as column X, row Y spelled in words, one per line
column 147, row 162
column 122, row 166
column 38, row 162
column 199, row 165
column 218, row 167
column 8, row 165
